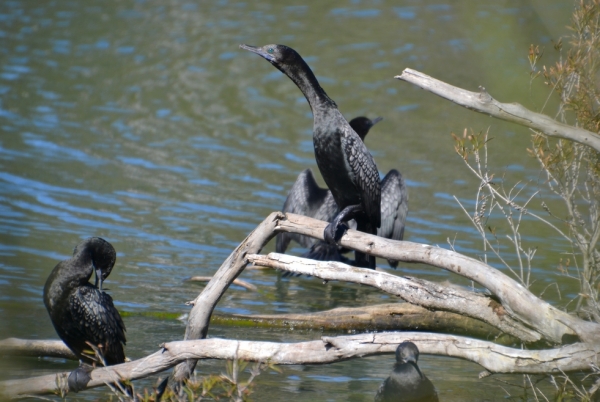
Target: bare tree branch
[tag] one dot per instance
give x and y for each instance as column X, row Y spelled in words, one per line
column 206, row 301
column 494, row 358
column 26, row 347
column 379, row 317
column 519, row 302
column 413, row 290
column 552, row 323
column 482, row 102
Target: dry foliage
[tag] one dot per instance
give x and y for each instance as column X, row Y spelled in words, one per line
column 573, row 170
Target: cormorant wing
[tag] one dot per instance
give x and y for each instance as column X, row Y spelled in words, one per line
column 100, row 322
column 383, row 392
column 394, row 208
column 365, row 174
column 308, row 199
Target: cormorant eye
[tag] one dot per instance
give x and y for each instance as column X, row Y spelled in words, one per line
column 270, row 50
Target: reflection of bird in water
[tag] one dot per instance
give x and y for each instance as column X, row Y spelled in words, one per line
column 308, row 199
column 406, row 382
column 343, row 159
column 81, row 312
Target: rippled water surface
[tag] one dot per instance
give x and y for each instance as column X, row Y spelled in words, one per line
column 143, row 122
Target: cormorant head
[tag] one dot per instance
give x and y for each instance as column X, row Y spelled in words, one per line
column 289, row 62
column 102, row 256
column 284, row 58
column 361, row 125
column 275, row 54
column 407, row 352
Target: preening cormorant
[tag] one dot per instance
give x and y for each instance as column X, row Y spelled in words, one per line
column 406, row 383
column 308, row 199
column 81, row 312
column 343, row 159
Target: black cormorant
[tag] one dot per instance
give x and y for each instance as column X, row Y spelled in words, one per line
column 343, row 159
column 406, row 382
column 81, row 312
column 308, row 199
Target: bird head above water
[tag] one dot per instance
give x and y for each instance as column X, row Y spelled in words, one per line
column 407, row 352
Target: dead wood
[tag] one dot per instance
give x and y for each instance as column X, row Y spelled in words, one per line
column 380, row 317
column 35, row 348
column 206, row 301
column 492, row 357
column 416, row 291
column 516, row 300
column 482, row 102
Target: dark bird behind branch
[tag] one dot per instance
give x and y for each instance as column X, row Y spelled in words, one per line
column 343, row 159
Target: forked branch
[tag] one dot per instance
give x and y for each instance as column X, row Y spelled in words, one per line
column 482, row 102
column 415, row 291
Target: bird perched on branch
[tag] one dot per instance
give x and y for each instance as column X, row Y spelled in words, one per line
column 83, row 315
column 406, row 383
column 343, row 159
column 308, row 199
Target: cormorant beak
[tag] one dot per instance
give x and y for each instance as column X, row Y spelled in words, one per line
column 99, row 279
column 376, row 120
column 259, row 52
column 414, row 363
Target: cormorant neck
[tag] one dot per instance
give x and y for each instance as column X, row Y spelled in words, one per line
column 82, row 266
column 305, row 79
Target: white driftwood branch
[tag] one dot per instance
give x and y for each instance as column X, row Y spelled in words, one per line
column 492, row 357
column 415, row 291
column 518, row 301
column 552, row 323
column 482, row 102
column 206, row 301
column 25, row 347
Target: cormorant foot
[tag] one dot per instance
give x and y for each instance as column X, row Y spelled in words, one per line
column 79, row 377
column 333, row 233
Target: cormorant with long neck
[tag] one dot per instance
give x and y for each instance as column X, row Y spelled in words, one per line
column 81, row 312
column 343, row 159
column 406, row 383
column 308, row 199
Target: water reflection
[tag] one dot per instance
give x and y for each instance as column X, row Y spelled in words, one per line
column 142, row 123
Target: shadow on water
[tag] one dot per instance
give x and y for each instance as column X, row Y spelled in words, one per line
column 141, row 122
